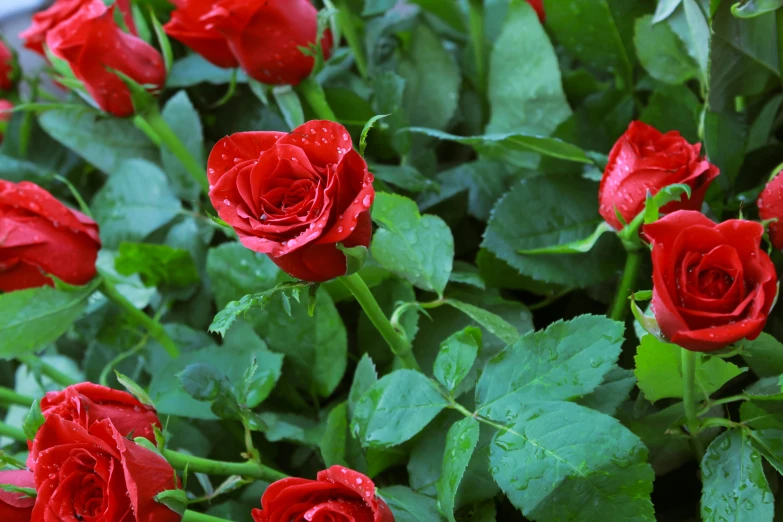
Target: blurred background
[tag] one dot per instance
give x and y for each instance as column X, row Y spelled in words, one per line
column 14, row 18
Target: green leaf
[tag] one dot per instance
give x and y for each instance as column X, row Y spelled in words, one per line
column 674, row 107
column 184, row 120
column 449, row 12
column 355, row 257
column 193, row 69
column 574, row 247
column 226, row 317
column 566, row 361
column 409, row 506
column 725, row 139
column 102, row 141
column 735, row 487
column 418, row 248
column 163, row 41
column 157, row 264
column 612, row 392
column 659, row 371
column 134, row 389
column 201, row 381
column 589, row 31
column 700, row 34
column 769, row 442
column 33, row 420
column 366, row 131
column 494, row 324
column 761, row 130
column 664, row 9
column 364, row 378
column 525, row 95
column 32, row 318
column 25, row 492
column 288, row 101
column 754, row 8
column 333, row 444
column 174, row 499
column 763, row 412
column 235, row 270
column 396, row 408
column 456, row 357
column 764, row 355
column 406, row 177
column 558, row 209
column 135, row 201
column 662, row 53
column 561, row 461
column 460, row 443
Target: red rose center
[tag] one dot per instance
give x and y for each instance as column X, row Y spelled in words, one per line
column 714, row 283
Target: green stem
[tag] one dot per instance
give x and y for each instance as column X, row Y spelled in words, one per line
column 689, row 399
column 725, row 400
column 145, row 127
column 312, row 91
column 351, row 36
column 8, row 396
column 168, row 138
column 154, row 328
column 713, row 422
column 50, row 371
column 398, row 343
column 215, row 467
column 630, row 273
column 12, row 433
column 193, row 516
column 476, row 8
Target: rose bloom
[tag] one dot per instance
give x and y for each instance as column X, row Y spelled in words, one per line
column 87, row 403
column 712, row 284
column 16, row 507
column 6, row 67
column 770, row 205
column 5, row 114
column 187, row 26
column 645, row 160
column 34, row 37
column 92, row 43
column 339, row 495
column 42, row 236
column 294, row 196
column 266, row 36
column 97, row 475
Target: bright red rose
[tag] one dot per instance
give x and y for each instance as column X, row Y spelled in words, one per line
column 538, row 5
column 266, row 37
column 97, row 475
column 34, row 37
column 92, row 43
column 645, row 160
column 5, row 115
column 42, row 236
column 187, row 26
column 712, row 284
column 6, row 67
column 88, row 403
column 339, row 495
column 15, row 507
column 294, row 196
column 770, row 205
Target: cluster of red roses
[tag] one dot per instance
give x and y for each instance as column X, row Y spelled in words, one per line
column 712, row 283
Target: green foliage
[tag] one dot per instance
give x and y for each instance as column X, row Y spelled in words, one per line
column 158, row 265
column 456, row 357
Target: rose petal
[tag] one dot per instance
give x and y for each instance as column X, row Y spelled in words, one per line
column 664, row 232
column 247, row 146
column 325, row 142
column 770, row 205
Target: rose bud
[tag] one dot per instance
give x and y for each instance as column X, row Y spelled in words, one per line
column 266, row 37
column 88, row 403
column 16, row 507
column 712, row 283
column 42, row 236
column 97, row 474
column 94, row 46
column 34, row 37
column 7, row 67
column 770, row 205
column 339, row 494
column 644, row 160
column 187, row 26
column 294, row 196
column 5, row 116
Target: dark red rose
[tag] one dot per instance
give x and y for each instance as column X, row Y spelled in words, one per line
column 339, row 495
column 187, row 26
column 538, row 5
column 7, row 69
column 15, row 507
column 294, row 196
column 34, row 37
column 712, row 284
column 5, row 116
column 645, row 160
column 770, row 205
column 40, row 236
column 92, row 43
column 266, row 37
column 97, row 475
column 87, row 403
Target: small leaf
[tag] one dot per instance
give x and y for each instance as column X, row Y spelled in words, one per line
column 364, row 378
column 24, row 492
column 163, row 40
column 355, row 257
column 289, row 104
column 574, row 247
column 135, row 390
column 409, row 506
column 495, row 324
column 754, row 8
column 333, row 444
column 226, row 317
column 33, row 420
column 157, row 264
column 202, row 382
column 456, row 357
column 460, row 443
column 174, row 499
column 366, row 130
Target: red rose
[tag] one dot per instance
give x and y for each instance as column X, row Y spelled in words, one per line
column 87, row 403
column 97, row 475
column 712, row 284
column 40, row 236
column 5, row 115
column 645, row 160
column 770, row 205
column 266, row 37
column 294, row 196
column 538, row 5
column 6, row 67
column 339, row 495
column 15, row 507
column 187, row 26
column 34, row 36
column 92, row 43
